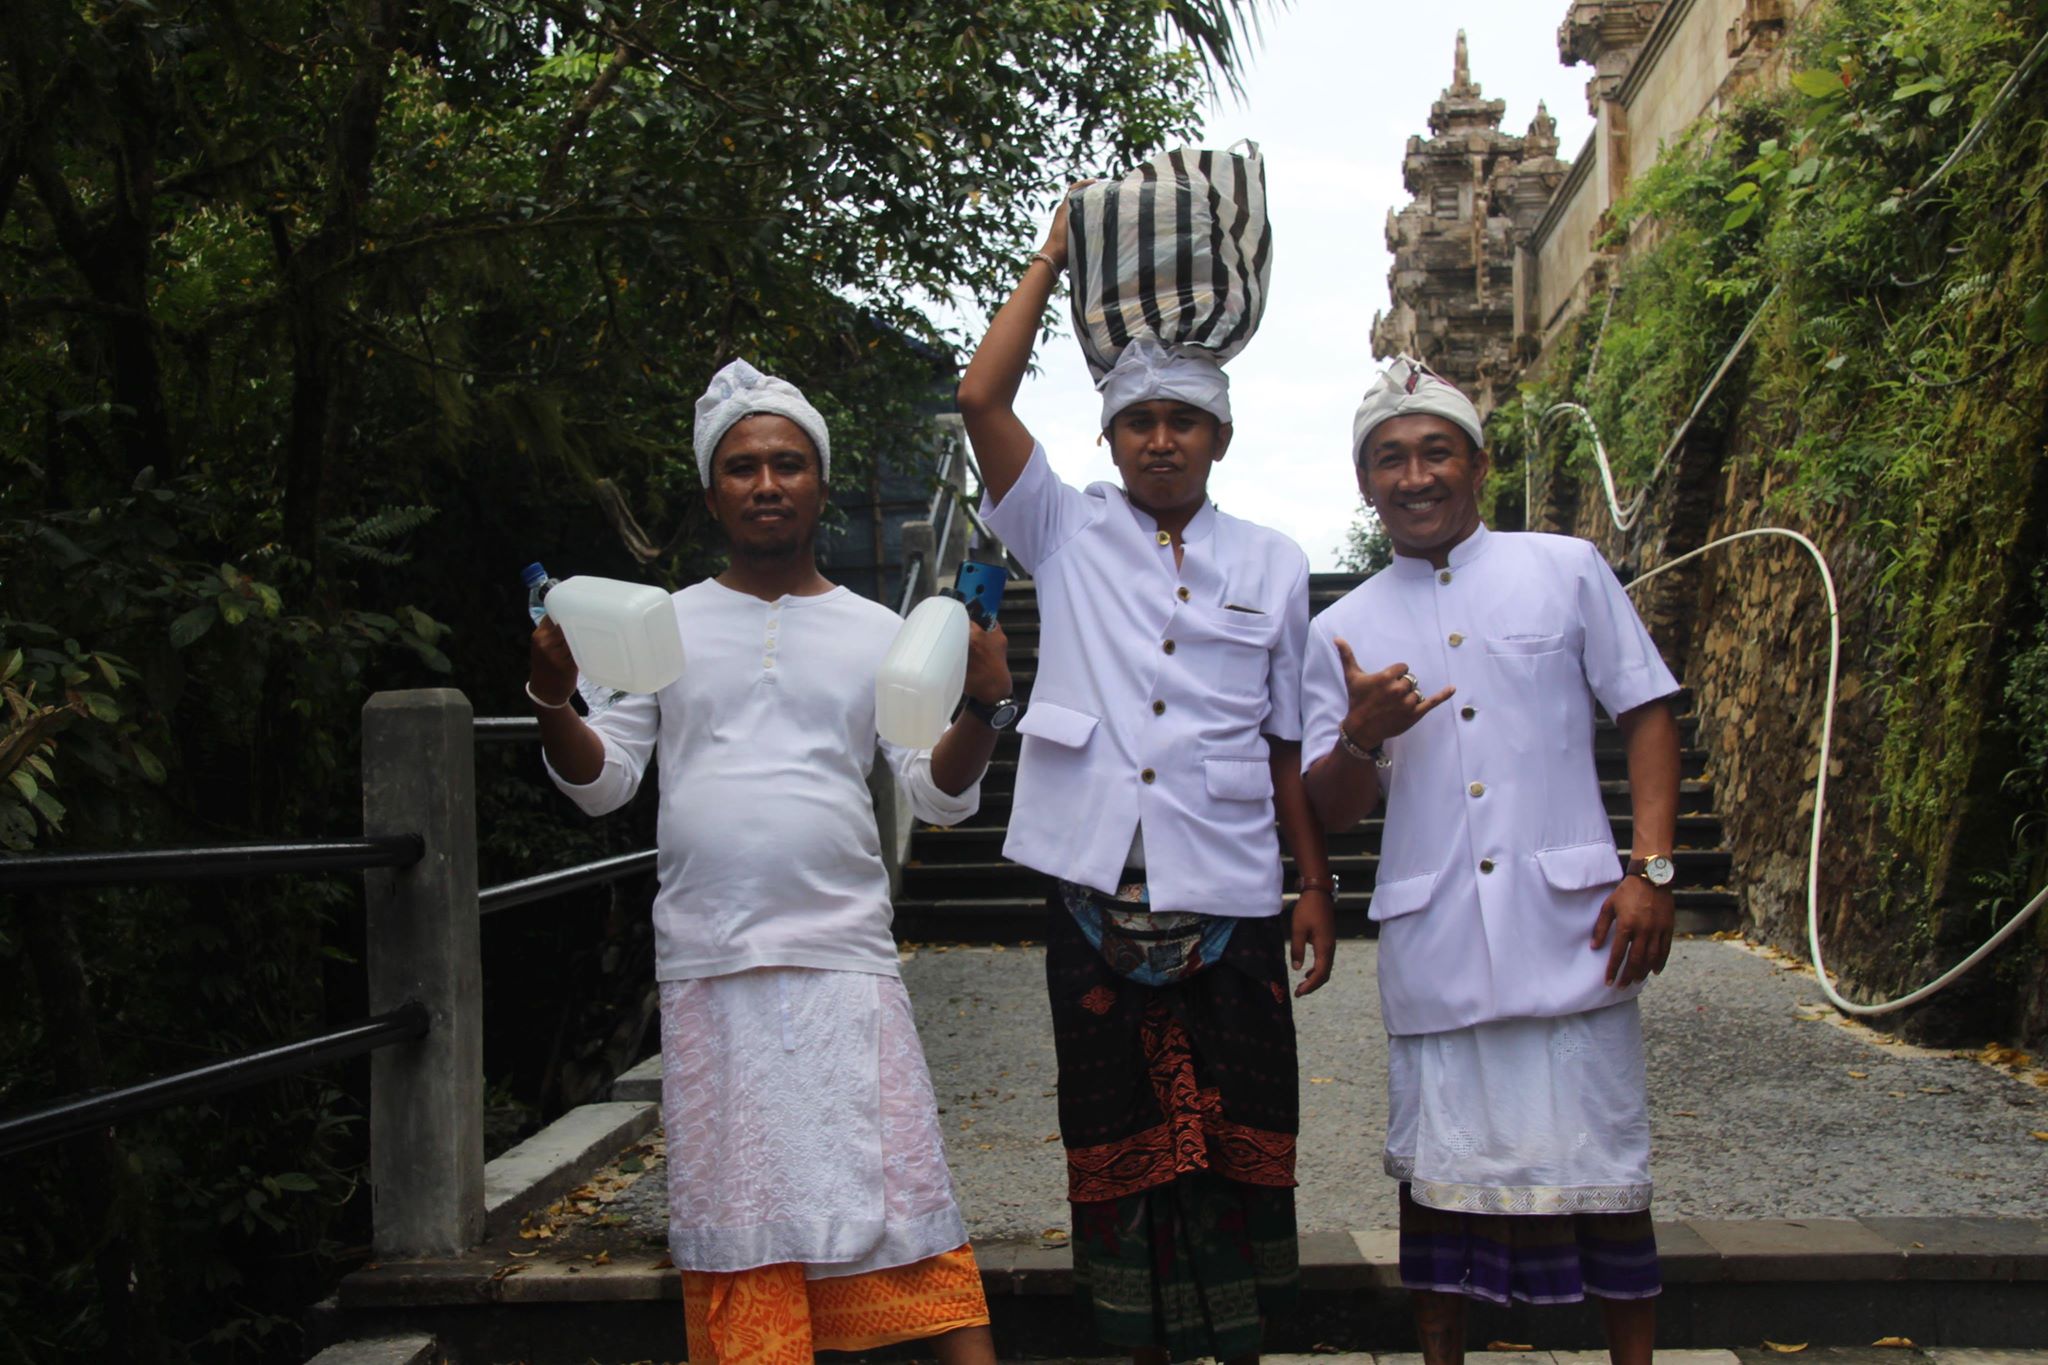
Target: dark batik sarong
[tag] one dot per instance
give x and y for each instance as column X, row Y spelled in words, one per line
column 1178, row 1111
column 1537, row 1258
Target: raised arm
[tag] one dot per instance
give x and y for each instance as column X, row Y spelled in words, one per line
column 599, row 767
column 961, row 756
column 988, row 390
column 573, row 748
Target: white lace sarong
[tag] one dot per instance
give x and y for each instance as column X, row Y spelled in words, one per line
column 801, row 1125
column 1523, row 1116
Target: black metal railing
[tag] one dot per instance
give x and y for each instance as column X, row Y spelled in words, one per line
column 42, row 871
column 99, row 1109
column 543, row 885
column 83, row 1113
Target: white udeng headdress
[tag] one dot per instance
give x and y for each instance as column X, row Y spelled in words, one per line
column 739, row 390
column 1148, row 370
column 1406, row 387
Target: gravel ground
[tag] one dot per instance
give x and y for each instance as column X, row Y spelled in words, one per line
column 1761, row 1105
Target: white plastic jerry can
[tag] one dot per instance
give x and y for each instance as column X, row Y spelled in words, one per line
column 623, row 635
column 922, row 676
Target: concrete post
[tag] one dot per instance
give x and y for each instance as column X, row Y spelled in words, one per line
column 426, row 1098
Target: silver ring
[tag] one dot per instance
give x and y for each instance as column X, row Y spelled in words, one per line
column 1414, row 683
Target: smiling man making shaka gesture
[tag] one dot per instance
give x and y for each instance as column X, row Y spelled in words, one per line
column 1458, row 685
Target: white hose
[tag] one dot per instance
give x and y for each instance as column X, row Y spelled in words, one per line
column 1623, row 521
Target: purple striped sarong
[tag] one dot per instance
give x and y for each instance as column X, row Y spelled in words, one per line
column 1543, row 1258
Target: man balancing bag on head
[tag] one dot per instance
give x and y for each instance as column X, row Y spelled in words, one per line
column 1162, row 737
column 809, row 1202
column 1457, row 685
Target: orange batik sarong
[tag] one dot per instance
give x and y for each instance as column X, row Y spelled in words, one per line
column 774, row 1315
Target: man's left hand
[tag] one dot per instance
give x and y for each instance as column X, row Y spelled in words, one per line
column 1315, row 927
column 988, row 663
column 1639, row 918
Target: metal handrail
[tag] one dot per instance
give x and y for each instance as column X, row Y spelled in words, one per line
column 260, row 859
column 507, row 727
column 546, row 884
column 94, row 1110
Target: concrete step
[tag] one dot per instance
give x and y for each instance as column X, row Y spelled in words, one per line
column 1695, row 798
column 1609, row 764
column 1829, row 1287
column 932, row 881
column 1018, row 915
column 938, row 846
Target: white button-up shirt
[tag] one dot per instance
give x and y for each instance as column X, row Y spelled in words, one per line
column 1156, row 686
column 1497, row 850
column 766, row 846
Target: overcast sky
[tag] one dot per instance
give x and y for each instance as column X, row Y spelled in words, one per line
column 1332, row 94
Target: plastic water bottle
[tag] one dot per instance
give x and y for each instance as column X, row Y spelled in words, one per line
column 923, row 674
column 538, row 586
column 623, row 636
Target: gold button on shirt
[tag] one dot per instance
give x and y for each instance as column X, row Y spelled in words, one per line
column 1166, row 537
column 1477, row 789
column 1456, row 639
column 1148, row 776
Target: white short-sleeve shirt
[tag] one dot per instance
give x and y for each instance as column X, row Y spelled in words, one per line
column 1497, row 851
column 767, row 850
column 1157, row 685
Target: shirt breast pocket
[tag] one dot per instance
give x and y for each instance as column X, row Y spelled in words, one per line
column 1227, row 650
column 1524, row 646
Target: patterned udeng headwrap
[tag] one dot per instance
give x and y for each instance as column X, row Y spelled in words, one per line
column 1406, row 387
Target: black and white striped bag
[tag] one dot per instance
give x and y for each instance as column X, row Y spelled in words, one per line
column 1179, row 249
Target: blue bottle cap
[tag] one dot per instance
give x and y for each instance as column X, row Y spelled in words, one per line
column 533, row 575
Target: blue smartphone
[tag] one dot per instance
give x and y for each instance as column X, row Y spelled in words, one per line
column 981, row 587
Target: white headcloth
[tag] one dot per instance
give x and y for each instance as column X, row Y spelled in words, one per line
column 1148, row 370
column 739, row 390
column 1406, row 387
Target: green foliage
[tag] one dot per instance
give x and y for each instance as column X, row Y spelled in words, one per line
column 316, row 323
column 1366, row 548
column 1895, row 384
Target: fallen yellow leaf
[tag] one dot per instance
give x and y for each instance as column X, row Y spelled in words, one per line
column 1321, row 1080
column 1054, row 1234
column 1782, row 1349
column 1893, row 1341
column 1859, row 1075
column 602, row 1258
column 1052, row 1137
column 2040, row 1134
column 1510, row 1346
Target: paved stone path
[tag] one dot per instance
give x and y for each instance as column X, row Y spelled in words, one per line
column 1761, row 1105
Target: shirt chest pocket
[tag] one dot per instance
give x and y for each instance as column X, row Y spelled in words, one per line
column 1535, row 658
column 1229, row 651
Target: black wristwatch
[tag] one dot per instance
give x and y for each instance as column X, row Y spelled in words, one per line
column 997, row 716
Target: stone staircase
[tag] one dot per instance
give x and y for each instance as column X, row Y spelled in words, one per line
column 958, row 887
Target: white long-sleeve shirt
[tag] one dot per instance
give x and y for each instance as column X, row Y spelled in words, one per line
column 768, row 854
column 1497, row 851
column 1157, row 687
